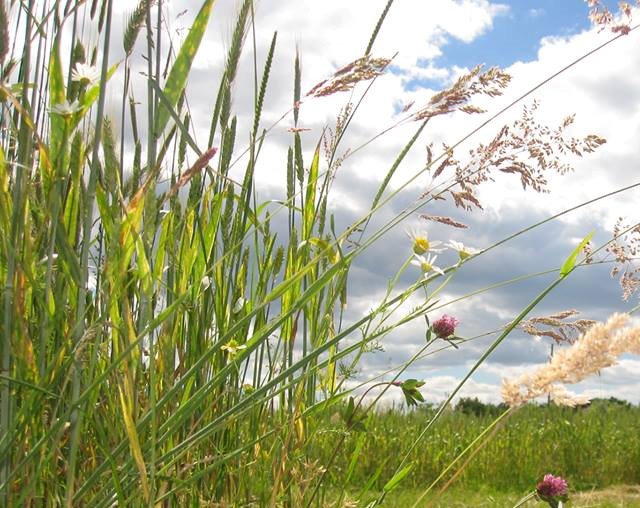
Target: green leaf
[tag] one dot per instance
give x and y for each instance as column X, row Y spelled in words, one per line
column 571, row 260
column 349, row 410
column 397, row 478
column 177, row 79
column 410, row 384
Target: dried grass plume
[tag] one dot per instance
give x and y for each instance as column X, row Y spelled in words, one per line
column 595, row 350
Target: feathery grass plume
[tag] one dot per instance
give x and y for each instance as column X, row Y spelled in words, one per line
column 448, row 221
column 135, row 22
column 593, row 351
column 344, row 79
column 490, row 83
column 562, row 332
column 625, row 249
column 601, row 16
column 333, row 135
column 525, row 148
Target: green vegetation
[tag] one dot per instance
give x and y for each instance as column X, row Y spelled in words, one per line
column 593, row 447
column 172, row 338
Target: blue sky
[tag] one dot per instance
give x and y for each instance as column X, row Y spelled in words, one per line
column 516, row 35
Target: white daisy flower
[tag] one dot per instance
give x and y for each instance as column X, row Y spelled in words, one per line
column 463, row 251
column 65, row 108
column 427, row 264
column 421, row 242
column 85, row 74
column 233, row 348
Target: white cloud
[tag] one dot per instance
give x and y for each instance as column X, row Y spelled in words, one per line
column 536, row 13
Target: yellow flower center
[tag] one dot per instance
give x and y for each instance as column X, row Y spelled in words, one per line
column 463, row 254
column 425, row 266
column 420, row 245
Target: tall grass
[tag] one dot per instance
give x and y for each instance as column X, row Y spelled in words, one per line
column 162, row 345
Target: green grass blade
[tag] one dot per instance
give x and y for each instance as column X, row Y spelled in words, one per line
column 179, row 73
column 568, row 265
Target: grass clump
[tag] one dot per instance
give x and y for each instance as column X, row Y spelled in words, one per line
column 172, row 338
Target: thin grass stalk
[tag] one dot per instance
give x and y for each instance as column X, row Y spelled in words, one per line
column 146, row 308
column 19, row 198
column 40, row 78
column 123, row 116
column 83, row 291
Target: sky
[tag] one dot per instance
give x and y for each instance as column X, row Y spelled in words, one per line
column 434, row 43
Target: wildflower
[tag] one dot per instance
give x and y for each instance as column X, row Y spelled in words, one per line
column 553, row 490
column 232, row 347
column 463, row 251
column 65, row 108
column 426, row 264
column 421, row 243
column 85, row 74
column 205, row 282
column 445, row 326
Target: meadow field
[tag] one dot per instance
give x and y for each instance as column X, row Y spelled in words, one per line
column 175, row 334
column 594, row 447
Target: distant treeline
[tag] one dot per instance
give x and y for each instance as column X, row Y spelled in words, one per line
column 474, row 406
